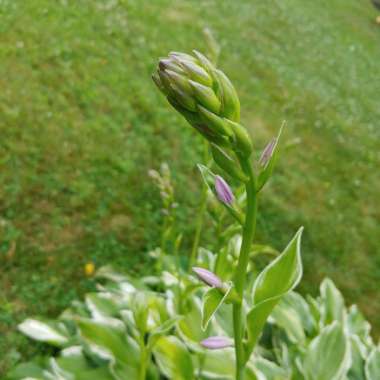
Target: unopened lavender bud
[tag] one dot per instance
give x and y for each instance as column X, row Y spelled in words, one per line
column 216, row 342
column 267, row 152
column 223, row 191
column 209, row 278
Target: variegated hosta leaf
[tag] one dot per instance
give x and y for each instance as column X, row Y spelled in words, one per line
column 76, row 366
column 173, row 358
column 105, row 307
column 332, row 303
column 299, row 304
column 358, row 355
column 271, row 370
column 224, row 321
column 102, row 304
column 206, row 258
column 161, row 330
column 140, row 310
column 220, row 365
column 111, row 344
column 315, row 310
column 52, row 332
column 280, row 277
column 328, row 355
column 55, row 372
column 288, row 319
column 372, row 365
column 189, row 327
column 212, row 300
column 25, row 370
column 294, row 316
column 357, row 324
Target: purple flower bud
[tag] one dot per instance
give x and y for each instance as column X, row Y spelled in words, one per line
column 209, row 278
column 267, row 152
column 223, row 190
column 216, row 342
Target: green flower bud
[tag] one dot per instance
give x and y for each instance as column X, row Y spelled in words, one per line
column 230, row 100
column 178, row 81
column 184, row 99
column 227, row 164
column 169, row 64
column 215, row 122
column 242, row 141
column 195, row 120
column 206, row 97
column 206, row 64
column 182, row 56
column 197, row 74
column 157, row 81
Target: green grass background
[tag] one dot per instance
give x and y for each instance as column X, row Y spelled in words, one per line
column 81, row 123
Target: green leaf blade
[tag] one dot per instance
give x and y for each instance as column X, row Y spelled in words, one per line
column 212, row 300
column 50, row 332
column 280, row 277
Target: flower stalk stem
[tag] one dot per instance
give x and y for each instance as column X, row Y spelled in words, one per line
column 145, row 359
column 199, row 225
column 201, row 214
column 241, row 270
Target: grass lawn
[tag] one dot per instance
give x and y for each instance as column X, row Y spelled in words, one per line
column 81, row 124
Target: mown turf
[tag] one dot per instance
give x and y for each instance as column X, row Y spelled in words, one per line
column 81, row 123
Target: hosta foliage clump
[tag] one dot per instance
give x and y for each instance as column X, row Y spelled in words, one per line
column 107, row 335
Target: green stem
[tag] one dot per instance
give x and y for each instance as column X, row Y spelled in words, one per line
column 201, row 211
column 179, row 274
column 159, row 263
column 241, row 270
column 145, row 358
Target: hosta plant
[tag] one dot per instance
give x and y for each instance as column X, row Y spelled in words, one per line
column 206, row 98
column 219, row 317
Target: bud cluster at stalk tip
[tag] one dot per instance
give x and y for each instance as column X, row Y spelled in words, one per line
column 204, row 96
